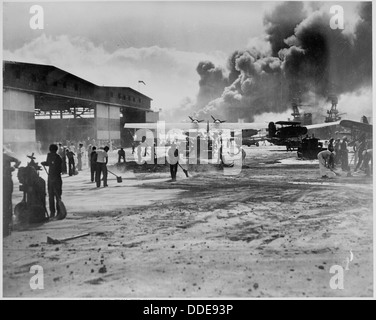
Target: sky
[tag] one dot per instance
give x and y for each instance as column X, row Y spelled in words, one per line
column 119, row 43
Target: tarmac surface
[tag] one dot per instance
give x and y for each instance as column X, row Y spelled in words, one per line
column 274, row 230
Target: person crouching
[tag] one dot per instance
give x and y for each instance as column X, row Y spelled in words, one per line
column 325, row 159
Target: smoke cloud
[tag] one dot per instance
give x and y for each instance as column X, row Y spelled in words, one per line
column 306, row 61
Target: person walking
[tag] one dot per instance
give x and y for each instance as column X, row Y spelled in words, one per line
column 173, row 160
column 54, row 182
column 93, row 164
column 71, row 164
column 101, row 166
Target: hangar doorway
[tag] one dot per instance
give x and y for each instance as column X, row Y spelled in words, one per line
column 130, row 115
column 59, row 119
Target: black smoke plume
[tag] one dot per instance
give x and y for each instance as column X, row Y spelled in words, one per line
column 307, row 59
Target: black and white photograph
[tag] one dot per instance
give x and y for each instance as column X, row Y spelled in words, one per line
column 187, row 150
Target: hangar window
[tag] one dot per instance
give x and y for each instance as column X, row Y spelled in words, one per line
column 119, row 95
column 129, row 98
column 76, row 87
column 111, row 94
column 139, row 100
column 64, row 84
column 134, row 99
column 123, row 97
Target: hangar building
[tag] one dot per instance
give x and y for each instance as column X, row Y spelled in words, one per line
column 44, row 103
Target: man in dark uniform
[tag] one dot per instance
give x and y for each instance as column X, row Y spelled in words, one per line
column 62, row 153
column 121, row 155
column 71, row 165
column 93, row 164
column 55, row 183
column 173, row 160
column 7, row 191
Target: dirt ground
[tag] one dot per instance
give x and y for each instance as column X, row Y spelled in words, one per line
column 274, row 230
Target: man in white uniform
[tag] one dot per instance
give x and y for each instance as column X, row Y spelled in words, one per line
column 325, row 157
column 101, row 166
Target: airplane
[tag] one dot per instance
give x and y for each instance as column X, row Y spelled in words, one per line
column 217, row 120
column 208, row 130
column 255, row 140
column 360, row 127
column 286, row 133
column 194, row 120
column 219, row 126
column 290, row 133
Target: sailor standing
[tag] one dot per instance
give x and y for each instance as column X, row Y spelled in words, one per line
column 101, row 166
column 55, row 183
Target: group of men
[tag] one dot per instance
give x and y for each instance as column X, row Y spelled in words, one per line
column 68, row 156
column 337, row 154
column 56, row 164
column 98, row 165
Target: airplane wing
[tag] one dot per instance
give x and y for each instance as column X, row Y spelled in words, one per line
column 360, row 126
column 168, row 126
column 238, row 126
column 322, row 125
column 199, row 126
column 365, row 127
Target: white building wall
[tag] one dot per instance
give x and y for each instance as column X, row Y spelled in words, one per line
column 17, row 130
